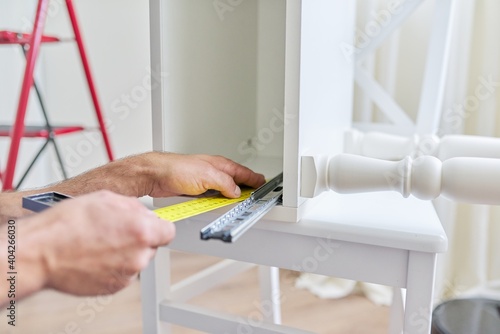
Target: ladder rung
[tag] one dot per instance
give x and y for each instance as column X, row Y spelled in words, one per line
column 40, row 131
column 13, row 37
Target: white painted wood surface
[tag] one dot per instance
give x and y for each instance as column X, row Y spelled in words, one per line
column 363, row 237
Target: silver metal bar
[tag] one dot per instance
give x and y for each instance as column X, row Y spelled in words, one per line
column 234, row 223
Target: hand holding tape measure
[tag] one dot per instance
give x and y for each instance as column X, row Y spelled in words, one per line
column 229, row 227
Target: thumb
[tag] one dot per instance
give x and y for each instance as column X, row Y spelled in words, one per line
column 162, row 232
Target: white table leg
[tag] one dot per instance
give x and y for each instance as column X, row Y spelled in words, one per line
column 155, row 287
column 397, row 311
column 270, row 295
column 419, row 293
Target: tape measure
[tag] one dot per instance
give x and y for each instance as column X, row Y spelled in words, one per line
column 198, row 206
column 173, row 213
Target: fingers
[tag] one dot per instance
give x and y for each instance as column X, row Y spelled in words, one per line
column 225, row 184
column 239, row 174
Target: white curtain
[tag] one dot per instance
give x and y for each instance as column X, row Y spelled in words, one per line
column 472, row 263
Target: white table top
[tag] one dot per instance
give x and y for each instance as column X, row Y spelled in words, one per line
column 381, row 219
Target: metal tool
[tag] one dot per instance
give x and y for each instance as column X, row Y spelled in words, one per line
column 233, row 224
column 40, row 202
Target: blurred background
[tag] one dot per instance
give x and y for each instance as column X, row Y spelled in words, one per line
column 116, row 33
column 470, row 106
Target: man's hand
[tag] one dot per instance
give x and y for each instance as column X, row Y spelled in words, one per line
column 161, row 174
column 177, row 174
column 94, row 244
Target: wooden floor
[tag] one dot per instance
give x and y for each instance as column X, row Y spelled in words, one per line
column 50, row 312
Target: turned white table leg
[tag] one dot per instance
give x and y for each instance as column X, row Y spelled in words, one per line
column 470, row 180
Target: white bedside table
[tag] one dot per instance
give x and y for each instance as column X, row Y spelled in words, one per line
column 379, row 238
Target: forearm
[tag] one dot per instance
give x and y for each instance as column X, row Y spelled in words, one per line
column 129, row 177
column 157, row 174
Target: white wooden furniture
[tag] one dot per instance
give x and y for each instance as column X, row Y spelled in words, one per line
column 253, row 81
column 380, row 238
column 266, row 82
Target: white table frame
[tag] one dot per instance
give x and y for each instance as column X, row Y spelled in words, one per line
column 376, row 251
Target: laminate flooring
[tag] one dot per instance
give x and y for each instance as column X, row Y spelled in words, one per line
column 50, row 312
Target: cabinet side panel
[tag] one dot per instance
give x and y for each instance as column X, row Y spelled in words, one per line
column 291, row 109
column 319, row 98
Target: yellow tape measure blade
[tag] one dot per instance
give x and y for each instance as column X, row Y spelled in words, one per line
column 198, row 206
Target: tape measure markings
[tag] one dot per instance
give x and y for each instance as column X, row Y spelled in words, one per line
column 198, row 206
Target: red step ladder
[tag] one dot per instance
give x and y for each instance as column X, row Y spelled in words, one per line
column 31, row 47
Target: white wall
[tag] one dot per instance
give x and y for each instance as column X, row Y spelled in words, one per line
column 116, row 33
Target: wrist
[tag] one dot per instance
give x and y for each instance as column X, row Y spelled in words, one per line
column 147, row 172
column 21, row 245
column 11, row 206
column 34, row 240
